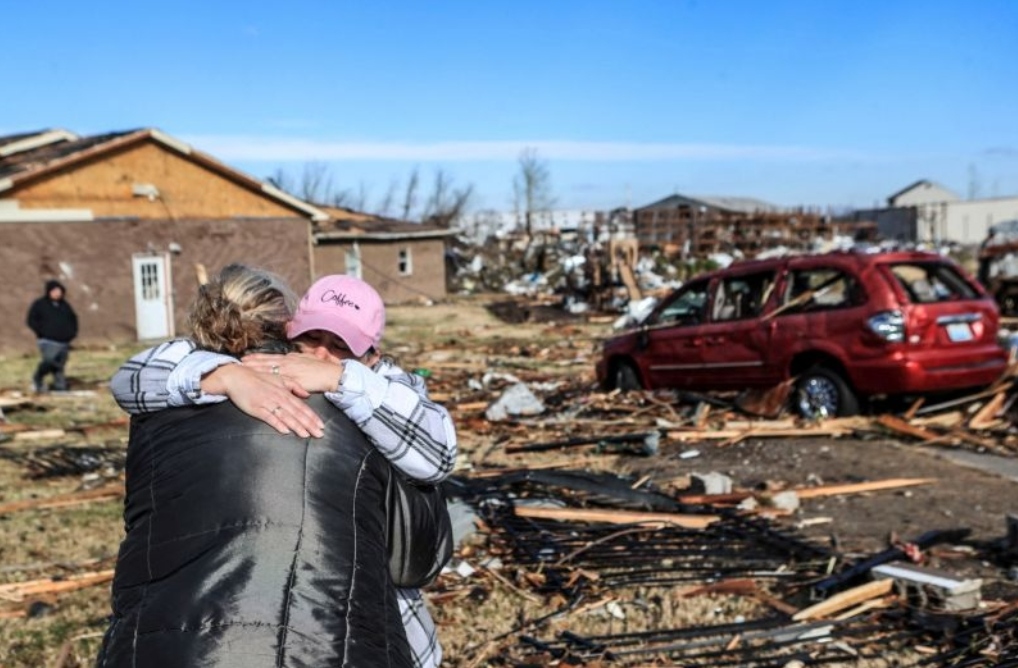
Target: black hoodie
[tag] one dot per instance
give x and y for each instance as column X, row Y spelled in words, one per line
column 53, row 320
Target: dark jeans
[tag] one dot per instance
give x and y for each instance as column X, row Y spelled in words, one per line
column 54, row 359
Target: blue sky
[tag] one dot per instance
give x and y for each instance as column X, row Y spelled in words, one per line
column 813, row 102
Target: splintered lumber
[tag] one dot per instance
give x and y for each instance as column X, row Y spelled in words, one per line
column 762, row 431
column 916, row 405
column 899, row 426
column 615, row 516
column 861, row 487
column 629, row 280
column 7, row 404
column 17, row 591
column 87, row 429
column 810, row 492
column 113, row 491
column 985, row 417
column 845, row 600
column 733, row 587
column 470, row 406
column 768, row 402
column 963, row 401
column 39, row 434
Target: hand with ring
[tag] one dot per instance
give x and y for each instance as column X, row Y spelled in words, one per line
column 311, row 373
column 274, row 399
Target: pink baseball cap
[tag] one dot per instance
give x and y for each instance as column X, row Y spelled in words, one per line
column 346, row 306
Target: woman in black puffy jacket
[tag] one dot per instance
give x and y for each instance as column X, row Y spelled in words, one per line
column 246, row 547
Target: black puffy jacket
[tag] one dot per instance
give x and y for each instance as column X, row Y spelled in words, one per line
column 246, row 548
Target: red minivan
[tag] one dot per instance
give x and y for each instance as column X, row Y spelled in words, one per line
column 846, row 325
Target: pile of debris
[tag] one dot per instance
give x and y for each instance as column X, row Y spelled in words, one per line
column 646, row 569
column 587, row 543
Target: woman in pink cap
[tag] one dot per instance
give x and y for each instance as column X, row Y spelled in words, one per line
column 338, row 327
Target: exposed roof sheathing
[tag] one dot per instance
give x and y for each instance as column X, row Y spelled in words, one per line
column 58, row 149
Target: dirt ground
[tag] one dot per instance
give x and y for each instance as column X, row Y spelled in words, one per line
column 961, row 497
column 456, row 343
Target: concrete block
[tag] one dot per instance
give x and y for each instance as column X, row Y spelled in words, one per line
column 928, row 587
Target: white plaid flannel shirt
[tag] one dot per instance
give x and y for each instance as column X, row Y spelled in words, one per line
column 390, row 406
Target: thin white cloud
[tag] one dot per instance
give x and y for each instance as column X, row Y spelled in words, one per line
column 282, row 149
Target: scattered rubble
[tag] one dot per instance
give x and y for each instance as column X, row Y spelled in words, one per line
column 553, row 530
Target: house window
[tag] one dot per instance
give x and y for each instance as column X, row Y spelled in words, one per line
column 406, row 264
column 352, row 261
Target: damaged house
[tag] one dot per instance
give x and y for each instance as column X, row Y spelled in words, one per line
column 124, row 219
column 742, row 226
column 404, row 261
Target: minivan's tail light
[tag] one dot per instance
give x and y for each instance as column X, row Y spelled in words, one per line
column 888, row 325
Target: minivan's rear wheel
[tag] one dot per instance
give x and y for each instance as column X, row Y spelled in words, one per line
column 822, row 392
column 626, row 377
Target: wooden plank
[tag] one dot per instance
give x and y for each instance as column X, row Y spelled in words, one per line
column 862, row 487
column 7, row 404
column 961, row 401
column 629, row 280
column 615, row 516
column 944, row 420
column 916, row 405
column 866, row 606
column 763, row 431
column 17, row 591
column 899, row 426
column 986, row 416
column 701, row 415
column 845, row 600
column 470, row 406
column 39, row 434
column 63, row 500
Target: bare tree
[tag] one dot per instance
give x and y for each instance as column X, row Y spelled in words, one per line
column 315, row 185
column 384, row 207
column 283, row 181
column 360, row 199
column 532, row 187
column 410, row 195
column 446, row 203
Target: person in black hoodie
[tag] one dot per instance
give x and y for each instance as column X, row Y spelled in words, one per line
column 55, row 325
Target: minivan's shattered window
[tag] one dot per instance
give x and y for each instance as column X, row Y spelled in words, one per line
column 742, row 296
column 822, row 288
column 926, row 283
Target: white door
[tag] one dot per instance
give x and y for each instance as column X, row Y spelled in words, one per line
column 153, row 301
column 353, row 261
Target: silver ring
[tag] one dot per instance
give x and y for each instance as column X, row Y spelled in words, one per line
column 275, row 369
column 276, row 410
